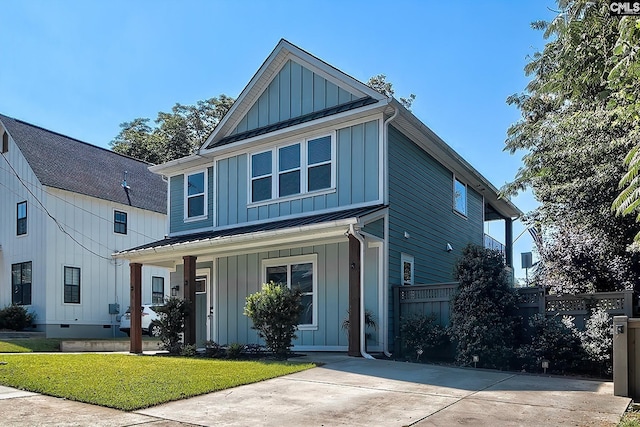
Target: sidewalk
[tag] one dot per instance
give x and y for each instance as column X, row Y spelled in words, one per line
column 354, row 392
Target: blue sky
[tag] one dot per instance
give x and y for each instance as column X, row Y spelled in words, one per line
column 83, row 67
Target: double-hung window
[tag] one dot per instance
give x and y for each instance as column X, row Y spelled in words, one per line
column 21, row 283
column 196, row 186
column 288, row 170
column 21, row 218
column 119, row 222
column 297, row 273
column 71, row 285
column 459, row 197
column 157, row 290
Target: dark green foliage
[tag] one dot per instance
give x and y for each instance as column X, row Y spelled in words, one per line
column 213, row 349
column 553, row 339
column 188, row 350
column 172, row 315
column 275, row 311
column 175, row 134
column 380, row 84
column 420, row 334
column 369, row 322
column 234, row 350
column 15, row 317
column 482, row 310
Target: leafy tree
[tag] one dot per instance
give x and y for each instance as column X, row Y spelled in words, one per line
column 380, row 84
column 172, row 315
column 175, row 134
column 575, row 143
column 482, row 310
column 275, row 312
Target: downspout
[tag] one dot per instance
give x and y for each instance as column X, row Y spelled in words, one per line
column 363, row 337
column 385, row 297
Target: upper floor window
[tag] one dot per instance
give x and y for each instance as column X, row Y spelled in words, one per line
column 157, row 290
column 21, row 215
column 120, row 222
column 297, row 273
column 460, row 197
column 72, row 285
column 5, row 142
column 406, row 264
column 21, row 283
column 196, row 188
column 299, row 168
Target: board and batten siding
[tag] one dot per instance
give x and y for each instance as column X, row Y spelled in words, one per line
column 177, row 221
column 241, row 275
column 421, row 204
column 357, row 181
column 293, row 92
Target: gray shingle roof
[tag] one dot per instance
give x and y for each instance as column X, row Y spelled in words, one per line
column 69, row 164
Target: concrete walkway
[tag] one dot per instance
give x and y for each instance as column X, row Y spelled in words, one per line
column 354, row 392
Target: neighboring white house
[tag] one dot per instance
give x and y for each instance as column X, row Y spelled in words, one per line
column 66, row 206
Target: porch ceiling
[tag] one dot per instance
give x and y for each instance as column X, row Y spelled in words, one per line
column 169, row 251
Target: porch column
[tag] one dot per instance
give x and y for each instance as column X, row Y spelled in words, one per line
column 508, row 242
column 354, row 297
column 135, row 334
column 190, row 297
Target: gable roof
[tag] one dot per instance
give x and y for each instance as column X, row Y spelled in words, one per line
column 66, row 163
column 282, row 56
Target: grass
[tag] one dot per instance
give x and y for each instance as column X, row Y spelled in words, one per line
column 131, row 382
column 28, row 345
column 631, row 418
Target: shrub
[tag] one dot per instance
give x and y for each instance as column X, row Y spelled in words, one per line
column 15, row 317
column 597, row 341
column 482, row 320
column 172, row 315
column 369, row 322
column 553, row 339
column 420, row 333
column 213, row 349
column 188, row 350
column 275, row 311
column 234, row 350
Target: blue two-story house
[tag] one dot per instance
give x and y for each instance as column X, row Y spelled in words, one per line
column 315, row 180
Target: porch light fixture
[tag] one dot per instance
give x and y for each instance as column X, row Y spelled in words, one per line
column 545, row 365
column 475, row 358
column 174, row 290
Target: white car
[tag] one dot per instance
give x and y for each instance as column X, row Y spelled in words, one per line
column 150, row 321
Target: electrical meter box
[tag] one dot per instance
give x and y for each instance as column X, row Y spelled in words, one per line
column 114, row 308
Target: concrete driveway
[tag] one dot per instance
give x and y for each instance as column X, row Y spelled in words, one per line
column 355, row 392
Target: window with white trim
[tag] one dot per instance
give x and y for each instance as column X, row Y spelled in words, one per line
column 196, row 202
column 406, row 269
column 157, row 290
column 288, row 170
column 72, row 285
column 459, row 197
column 297, row 273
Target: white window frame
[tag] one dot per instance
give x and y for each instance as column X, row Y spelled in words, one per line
column 205, row 214
column 300, row 259
column 300, row 168
column 455, row 205
column 64, row 284
column 304, row 170
column 406, row 258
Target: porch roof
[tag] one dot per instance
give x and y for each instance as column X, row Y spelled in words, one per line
column 263, row 230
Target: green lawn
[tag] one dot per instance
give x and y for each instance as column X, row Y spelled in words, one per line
column 27, row 345
column 131, row 382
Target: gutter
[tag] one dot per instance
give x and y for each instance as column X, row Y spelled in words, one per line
column 363, row 337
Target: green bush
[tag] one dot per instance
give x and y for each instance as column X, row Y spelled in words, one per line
column 172, row 315
column 420, row 333
column 234, row 350
column 482, row 310
column 15, row 317
column 188, row 350
column 213, row 349
column 597, row 342
column 553, row 339
column 275, row 311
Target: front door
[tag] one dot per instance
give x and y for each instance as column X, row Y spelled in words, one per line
column 201, row 310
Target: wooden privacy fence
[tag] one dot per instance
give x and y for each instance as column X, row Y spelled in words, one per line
column 434, row 299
